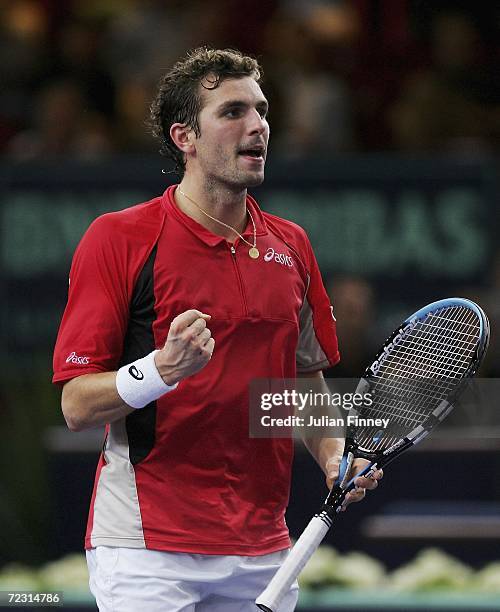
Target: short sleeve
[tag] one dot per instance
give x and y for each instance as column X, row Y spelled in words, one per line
column 317, row 346
column 93, row 325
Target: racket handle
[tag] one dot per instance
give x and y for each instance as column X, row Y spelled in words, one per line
column 306, row 545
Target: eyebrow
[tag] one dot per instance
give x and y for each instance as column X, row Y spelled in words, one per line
column 241, row 104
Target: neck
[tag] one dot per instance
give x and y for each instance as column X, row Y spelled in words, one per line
column 218, row 201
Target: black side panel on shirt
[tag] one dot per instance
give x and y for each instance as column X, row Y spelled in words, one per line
column 139, row 341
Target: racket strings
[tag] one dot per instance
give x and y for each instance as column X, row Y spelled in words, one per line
column 433, row 347
column 433, row 350
column 418, row 373
column 438, row 357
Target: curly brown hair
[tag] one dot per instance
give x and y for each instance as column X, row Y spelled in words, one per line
column 178, row 99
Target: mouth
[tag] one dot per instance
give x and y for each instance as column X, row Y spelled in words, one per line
column 256, row 153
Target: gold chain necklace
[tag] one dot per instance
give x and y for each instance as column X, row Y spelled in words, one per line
column 253, row 251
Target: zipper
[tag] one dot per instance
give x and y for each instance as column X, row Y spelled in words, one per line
column 240, row 280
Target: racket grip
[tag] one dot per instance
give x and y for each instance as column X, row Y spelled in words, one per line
column 306, row 545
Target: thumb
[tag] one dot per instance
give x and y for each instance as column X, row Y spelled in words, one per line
column 332, row 467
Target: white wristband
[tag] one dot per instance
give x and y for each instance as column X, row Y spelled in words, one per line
column 139, row 383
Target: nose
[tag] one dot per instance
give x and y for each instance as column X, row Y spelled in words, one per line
column 257, row 124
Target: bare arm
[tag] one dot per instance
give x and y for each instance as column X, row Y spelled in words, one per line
column 326, row 451
column 328, row 454
column 92, row 400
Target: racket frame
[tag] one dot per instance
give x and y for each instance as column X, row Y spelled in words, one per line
column 381, row 459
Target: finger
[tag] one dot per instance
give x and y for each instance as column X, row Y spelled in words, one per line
column 204, row 337
column 198, row 326
column 208, row 348
column 332, row 467
column 358, row 465
column 188, row 317
column 366, row 483
column 370, row 481
column 356, row 495
column 193, row 333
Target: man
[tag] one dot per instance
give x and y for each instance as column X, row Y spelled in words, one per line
column 187, row 511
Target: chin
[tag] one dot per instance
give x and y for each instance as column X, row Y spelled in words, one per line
column 243, row 180
column 254, row 179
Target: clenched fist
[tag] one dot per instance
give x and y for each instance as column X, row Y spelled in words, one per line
column 188, row 348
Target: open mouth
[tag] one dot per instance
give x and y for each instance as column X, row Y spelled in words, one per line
column 253, row 152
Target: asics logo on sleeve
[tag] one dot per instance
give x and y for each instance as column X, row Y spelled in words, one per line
column 281, row 258
column 135, row 373
column 74, row 358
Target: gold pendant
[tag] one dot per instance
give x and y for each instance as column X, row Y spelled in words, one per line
column 254, row 252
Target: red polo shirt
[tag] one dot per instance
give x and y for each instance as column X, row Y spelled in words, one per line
column 182, row 474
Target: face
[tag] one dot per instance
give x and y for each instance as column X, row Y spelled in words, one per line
column 234, row 134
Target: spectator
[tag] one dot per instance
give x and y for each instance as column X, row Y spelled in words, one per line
column 132, row 107
column 62, row 125
column 317, row 98
column 151, row 34
column 455, row 104
column 80, row 56
column 24, row 63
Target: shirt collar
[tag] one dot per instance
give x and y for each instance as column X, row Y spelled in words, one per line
column 203, row 233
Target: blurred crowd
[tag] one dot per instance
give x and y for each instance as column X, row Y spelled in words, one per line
column 342, row 75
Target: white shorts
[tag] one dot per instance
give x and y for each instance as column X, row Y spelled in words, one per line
column 141, row 580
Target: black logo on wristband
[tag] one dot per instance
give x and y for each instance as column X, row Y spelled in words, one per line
column 135, row 373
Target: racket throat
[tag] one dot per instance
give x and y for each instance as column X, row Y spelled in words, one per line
column 332, row 505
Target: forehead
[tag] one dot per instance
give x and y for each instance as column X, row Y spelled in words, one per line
column 244, row 89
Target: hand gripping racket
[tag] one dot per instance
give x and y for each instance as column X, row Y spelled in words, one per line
column 413, row 381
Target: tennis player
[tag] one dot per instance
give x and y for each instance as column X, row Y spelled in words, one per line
column 174, row 306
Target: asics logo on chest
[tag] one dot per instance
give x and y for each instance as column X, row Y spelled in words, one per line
column 281, row 258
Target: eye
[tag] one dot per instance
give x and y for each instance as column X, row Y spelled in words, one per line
column 233, row 113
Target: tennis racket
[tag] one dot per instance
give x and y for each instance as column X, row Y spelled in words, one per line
column 413, row 381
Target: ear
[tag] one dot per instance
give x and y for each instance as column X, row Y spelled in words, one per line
column 183, row 136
